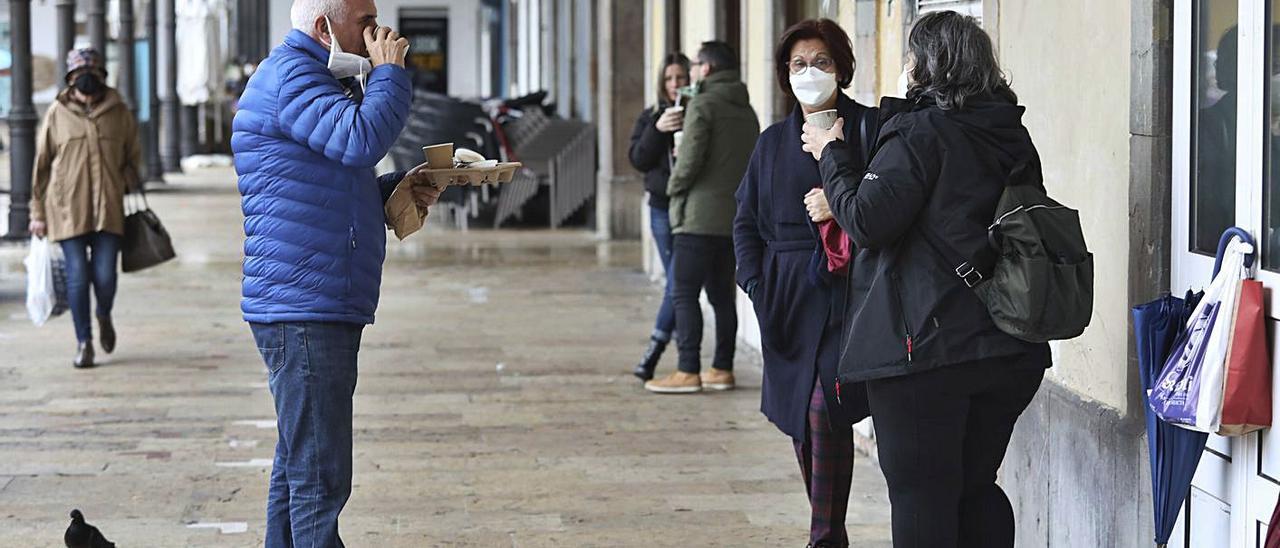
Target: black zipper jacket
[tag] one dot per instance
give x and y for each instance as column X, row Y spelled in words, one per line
column 650, row 154
column 930, row 192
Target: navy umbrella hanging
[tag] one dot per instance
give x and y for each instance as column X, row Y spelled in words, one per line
column 1174, row 451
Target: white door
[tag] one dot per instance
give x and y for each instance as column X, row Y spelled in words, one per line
column 1225, row 150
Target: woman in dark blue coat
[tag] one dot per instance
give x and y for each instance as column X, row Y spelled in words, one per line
column 782, row 266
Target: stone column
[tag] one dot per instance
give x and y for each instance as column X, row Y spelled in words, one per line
column 97, row 19
column 22, row 120
column 155, row 169
column 66, row 36
column 563, row 37
column 621, row 77
column 125, row 70
column 1151, row 158
column 170, row 153
column 190, row 142
column 866, row 50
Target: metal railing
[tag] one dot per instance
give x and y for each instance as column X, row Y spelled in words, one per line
column 558, row 154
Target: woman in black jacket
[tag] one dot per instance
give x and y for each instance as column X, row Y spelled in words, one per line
column 652, row 145
column 945, row 385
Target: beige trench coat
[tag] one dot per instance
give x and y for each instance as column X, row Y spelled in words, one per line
column 85, row 163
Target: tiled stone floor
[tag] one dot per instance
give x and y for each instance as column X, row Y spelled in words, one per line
column 494, row 407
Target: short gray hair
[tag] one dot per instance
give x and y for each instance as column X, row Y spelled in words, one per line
column 305, row 12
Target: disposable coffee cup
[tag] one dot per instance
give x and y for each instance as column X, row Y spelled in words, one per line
column 824, row 119
column 678, row 137
column 439, row 156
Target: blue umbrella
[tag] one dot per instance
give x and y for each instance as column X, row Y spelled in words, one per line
column 1175, row 452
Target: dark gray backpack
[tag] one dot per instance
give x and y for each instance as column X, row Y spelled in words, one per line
column 1041, row 287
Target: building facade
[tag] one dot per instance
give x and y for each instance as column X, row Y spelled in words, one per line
column 1117, row 94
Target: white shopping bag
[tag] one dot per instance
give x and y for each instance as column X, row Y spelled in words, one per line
column 41, row 293
column 1188, row 392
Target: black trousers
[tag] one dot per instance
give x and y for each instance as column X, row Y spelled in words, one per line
column 941, row 437
column 697, row 263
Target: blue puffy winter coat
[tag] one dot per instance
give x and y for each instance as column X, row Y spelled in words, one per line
column 315, row 232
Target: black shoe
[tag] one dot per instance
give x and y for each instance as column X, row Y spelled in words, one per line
column 108, row 334
column 84, row 356
column 644, row 370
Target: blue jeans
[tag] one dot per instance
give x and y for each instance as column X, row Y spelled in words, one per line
column 91, row 260
column 312, row 375
column 660, row 224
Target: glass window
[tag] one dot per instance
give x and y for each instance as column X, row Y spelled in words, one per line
column 1213, row 182
column 1271, row 191
column 972, row 8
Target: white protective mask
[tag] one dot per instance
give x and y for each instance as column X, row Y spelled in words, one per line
column 813, row 87
column 904, row 84
column 343, row 64
column 904, row 80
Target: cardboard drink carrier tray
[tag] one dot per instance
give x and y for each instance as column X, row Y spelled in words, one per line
column 442, row 155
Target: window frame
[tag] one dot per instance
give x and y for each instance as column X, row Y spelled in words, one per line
column 1191, row 270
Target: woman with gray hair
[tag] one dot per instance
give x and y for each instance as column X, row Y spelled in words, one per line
column 946, row 386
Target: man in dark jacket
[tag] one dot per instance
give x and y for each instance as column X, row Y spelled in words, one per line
column 720, row 130
column 314, row 120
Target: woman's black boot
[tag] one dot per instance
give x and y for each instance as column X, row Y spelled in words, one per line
column 107, row 334
column 644, row 370
column 84, row 356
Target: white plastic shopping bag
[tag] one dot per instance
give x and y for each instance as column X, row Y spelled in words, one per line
column 41, row 294
column 1188, row 392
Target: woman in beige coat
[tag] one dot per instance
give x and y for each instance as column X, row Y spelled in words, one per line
column 87, row 158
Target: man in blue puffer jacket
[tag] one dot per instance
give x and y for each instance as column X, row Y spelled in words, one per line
column 313, row 122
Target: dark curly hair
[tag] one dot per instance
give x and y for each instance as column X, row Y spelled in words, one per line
column 954, row 61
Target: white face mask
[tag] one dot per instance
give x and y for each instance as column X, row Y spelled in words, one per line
column 813, row 87
column 343, row 64
column 904, row 79
column 904, row 84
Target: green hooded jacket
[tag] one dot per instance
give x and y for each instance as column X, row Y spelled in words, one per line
column 720, row 131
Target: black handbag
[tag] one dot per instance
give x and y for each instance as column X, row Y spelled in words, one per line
column 146, row 242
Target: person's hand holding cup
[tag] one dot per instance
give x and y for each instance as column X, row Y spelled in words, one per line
column 386, row 46
column 820, row 129
column 672, row 120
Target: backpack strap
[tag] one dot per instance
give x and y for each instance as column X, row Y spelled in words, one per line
column 1021, row 174
column 965, row 269
column 970, row 269
column 864, row 132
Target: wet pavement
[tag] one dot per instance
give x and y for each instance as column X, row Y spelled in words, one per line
column 494, row 407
